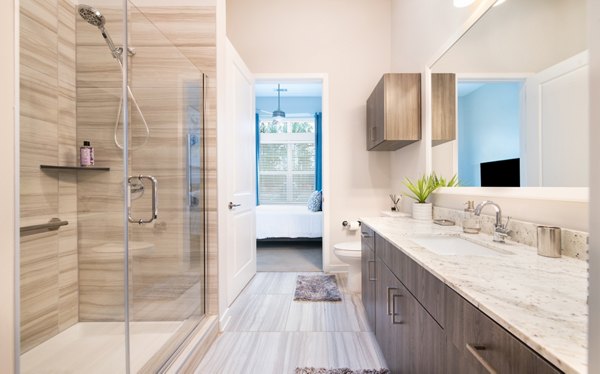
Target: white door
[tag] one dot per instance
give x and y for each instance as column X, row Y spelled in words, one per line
column 557, row 145
column 240, row 167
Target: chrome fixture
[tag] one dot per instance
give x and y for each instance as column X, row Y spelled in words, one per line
column 134, row 184
column 501, row 231
column 93, row 16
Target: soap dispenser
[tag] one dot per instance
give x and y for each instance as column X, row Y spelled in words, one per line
column 470, row 222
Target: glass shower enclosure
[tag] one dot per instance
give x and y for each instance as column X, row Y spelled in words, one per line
column 112, row 255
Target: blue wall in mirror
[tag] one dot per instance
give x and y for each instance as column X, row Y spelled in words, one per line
column 489, row 121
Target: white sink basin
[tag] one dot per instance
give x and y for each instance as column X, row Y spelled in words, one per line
column 456, row 246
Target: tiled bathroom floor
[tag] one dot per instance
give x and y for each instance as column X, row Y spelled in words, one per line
column 97, row 347
column 270, row 333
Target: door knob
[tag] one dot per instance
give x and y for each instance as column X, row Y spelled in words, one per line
column 232, row 205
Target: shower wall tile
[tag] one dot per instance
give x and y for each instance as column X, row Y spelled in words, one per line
column 194, row 25
column 38, row 44
column 42, row 11
column 39, row 289
column 47, row 136
column 68, row 275
column 96, row 67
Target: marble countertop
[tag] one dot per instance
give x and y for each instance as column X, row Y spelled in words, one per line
column 540, row 300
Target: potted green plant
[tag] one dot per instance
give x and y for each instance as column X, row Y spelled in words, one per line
column 420, row 191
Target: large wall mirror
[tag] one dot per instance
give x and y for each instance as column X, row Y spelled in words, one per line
column 517, row 83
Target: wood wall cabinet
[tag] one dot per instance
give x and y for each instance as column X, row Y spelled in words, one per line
column 394, row 112
column 443, row 107
column 423, row 326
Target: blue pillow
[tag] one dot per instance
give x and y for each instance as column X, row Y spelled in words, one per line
column 314, row 201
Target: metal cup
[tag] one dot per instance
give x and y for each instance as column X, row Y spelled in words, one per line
column 548, row 241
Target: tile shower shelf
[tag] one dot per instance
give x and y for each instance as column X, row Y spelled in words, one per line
column 90, row 168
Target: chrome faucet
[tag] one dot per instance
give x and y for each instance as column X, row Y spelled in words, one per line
column 501, row 231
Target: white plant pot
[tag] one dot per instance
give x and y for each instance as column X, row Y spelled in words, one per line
column 423, row 212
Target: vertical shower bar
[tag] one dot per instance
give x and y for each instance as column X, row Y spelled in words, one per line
column 125, row 99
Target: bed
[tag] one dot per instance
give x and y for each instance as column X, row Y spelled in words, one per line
column 288, row 221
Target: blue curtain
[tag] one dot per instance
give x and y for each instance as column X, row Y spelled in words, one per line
column 257, row 155
column 319, row 152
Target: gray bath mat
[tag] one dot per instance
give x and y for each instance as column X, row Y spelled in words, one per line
column 318, row 287
column 340, row 371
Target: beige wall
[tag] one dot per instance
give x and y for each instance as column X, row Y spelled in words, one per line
column 350, row 42
column 7, row 183
column 594, row 313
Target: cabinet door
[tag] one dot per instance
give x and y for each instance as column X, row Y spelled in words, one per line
column 369, row 275
column 443, row 107
column 371, row 118
column 393, row 338
column 410, row 339
column 485, row 345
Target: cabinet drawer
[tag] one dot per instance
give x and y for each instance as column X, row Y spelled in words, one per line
column 481, row 342
column 426, row 288
column 367, row 237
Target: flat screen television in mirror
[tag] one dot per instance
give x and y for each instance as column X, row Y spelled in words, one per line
column 501, row 173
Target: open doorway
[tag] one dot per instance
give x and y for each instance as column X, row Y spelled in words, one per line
column 289, row 154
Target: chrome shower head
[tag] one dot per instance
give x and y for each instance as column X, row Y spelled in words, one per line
column 95, row 18
column 91, row 15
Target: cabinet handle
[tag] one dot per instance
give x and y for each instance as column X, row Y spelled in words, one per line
column 474, row 350
column 365, row 234
column 369, row 262
column 389, row 309
column 394, row 314
column 373, row 129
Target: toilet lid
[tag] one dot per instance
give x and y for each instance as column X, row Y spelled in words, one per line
column 348, row 246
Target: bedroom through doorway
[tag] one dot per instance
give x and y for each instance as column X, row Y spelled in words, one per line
column 289, row 149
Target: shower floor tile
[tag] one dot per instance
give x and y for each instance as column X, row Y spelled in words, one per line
column 98, row 347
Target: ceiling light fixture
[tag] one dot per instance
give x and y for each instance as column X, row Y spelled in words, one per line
column 279, row 115
column 462, row 3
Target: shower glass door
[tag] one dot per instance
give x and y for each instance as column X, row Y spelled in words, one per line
column 166, row 250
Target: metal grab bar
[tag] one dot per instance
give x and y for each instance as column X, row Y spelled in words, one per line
column 52, row 225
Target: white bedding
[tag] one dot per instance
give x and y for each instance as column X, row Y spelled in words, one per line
column 288, row 221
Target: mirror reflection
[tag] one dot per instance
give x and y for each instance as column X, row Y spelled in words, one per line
column 510, row 98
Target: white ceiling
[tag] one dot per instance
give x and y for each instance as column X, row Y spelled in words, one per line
column 268, row 89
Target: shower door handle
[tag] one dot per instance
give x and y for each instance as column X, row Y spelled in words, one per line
column 154, row 183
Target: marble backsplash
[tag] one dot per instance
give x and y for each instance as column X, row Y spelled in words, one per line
column 573, row 243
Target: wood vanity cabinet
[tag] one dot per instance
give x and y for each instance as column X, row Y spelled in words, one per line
column 410, row 339
column 394, row 112
column 479, row 344
column 423, row 326
column 369, row 273
column 443, row 107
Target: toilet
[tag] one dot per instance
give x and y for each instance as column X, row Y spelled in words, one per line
column 350, row 253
